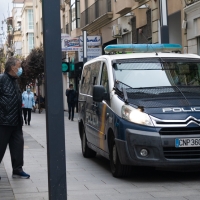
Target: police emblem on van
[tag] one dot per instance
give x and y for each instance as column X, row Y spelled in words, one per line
column 190, row 109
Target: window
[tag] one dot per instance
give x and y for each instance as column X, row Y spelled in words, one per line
column 104, row 78
column 90, row 77
column 85, row 82
column 30, row 19
column 94, row 77
column 30, row 42
column 75, row 14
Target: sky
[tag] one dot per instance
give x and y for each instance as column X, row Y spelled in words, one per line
column 5, row 5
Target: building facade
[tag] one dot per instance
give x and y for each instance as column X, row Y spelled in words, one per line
column 115, row 22
column 27, row 27
column 17, row 20
column 191, row 25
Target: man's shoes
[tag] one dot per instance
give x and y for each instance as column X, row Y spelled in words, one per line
column 21, row 174
column 69, row 118
column 72, row 120
column 29, row 123
column 25, row 122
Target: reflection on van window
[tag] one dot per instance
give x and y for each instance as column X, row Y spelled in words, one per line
column 138, row 75
column 104, row 78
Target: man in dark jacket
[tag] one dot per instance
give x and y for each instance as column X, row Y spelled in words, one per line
column 11, row 117
column 71, row 100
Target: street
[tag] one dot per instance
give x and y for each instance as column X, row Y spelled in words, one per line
column 89, row 179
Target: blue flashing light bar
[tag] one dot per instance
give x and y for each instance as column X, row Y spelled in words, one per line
column 143, row 48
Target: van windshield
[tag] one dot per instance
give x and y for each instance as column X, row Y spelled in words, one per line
column 159, row 72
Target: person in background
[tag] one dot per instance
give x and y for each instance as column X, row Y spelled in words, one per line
column 36, row 104
column 28, row 103
column 40, row 102
column 71, row 100
column 11, row 117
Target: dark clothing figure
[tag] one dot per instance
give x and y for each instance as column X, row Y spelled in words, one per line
column 40, row 102
column 71, row 100
column 25, row 112
column 11, row 117
column 13, row 136
column 10, row 101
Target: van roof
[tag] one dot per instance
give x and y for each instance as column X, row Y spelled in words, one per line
column 143, row 55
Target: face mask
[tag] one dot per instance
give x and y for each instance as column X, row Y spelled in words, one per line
column 28, row 90
column 19, row 72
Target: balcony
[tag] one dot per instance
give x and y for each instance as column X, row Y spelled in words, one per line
column 189, row 2
column 123, row 7
column 96, row 16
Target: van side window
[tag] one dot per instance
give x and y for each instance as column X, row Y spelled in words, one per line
column 85, row 79
column 94, row 76
column 104, row 77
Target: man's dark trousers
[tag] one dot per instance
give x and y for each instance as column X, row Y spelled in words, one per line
column 13, row 136
column 25, row 110
column 71, row 110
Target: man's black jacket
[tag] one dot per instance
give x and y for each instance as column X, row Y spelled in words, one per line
column 71, row 96
column 10, row 101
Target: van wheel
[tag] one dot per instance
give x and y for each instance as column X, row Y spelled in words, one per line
column 86, row 151
column 118, row 170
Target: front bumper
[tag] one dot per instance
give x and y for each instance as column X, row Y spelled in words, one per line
column 156, row 144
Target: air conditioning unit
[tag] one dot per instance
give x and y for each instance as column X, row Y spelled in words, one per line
column 117, row 31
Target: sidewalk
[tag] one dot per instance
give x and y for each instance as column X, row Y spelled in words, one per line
column 6, row 192
column 35, row 163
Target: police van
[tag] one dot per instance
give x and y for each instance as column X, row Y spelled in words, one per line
column 139, row 105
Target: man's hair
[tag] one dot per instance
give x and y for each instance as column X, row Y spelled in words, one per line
column 10, row 62
column 70, row 85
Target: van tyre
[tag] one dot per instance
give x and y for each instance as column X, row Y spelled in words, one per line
column 86, row 151
column 118, row 170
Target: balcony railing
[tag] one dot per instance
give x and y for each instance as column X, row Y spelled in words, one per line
column 189, row 2
column 95, row 11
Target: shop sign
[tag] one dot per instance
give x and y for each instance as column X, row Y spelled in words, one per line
column 91, row 53
column 91, row 40
column 69, row 44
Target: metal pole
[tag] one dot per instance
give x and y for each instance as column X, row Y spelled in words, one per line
column 54, row 101
column 84, row 47
column 164, row 28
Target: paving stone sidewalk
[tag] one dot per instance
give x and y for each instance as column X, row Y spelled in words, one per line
column 6, row 191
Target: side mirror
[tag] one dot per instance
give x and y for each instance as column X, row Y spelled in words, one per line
column 99, row 93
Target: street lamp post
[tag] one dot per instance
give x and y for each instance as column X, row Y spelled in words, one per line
column 56, row 156
column 164, row 28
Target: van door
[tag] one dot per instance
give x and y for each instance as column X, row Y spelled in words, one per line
column 101, row 111
column 91, row 121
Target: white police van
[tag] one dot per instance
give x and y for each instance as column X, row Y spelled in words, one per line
column 140, row 106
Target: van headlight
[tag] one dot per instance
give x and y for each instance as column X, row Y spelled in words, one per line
column 136, row 115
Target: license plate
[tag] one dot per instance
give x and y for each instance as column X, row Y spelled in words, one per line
column 187, row 142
